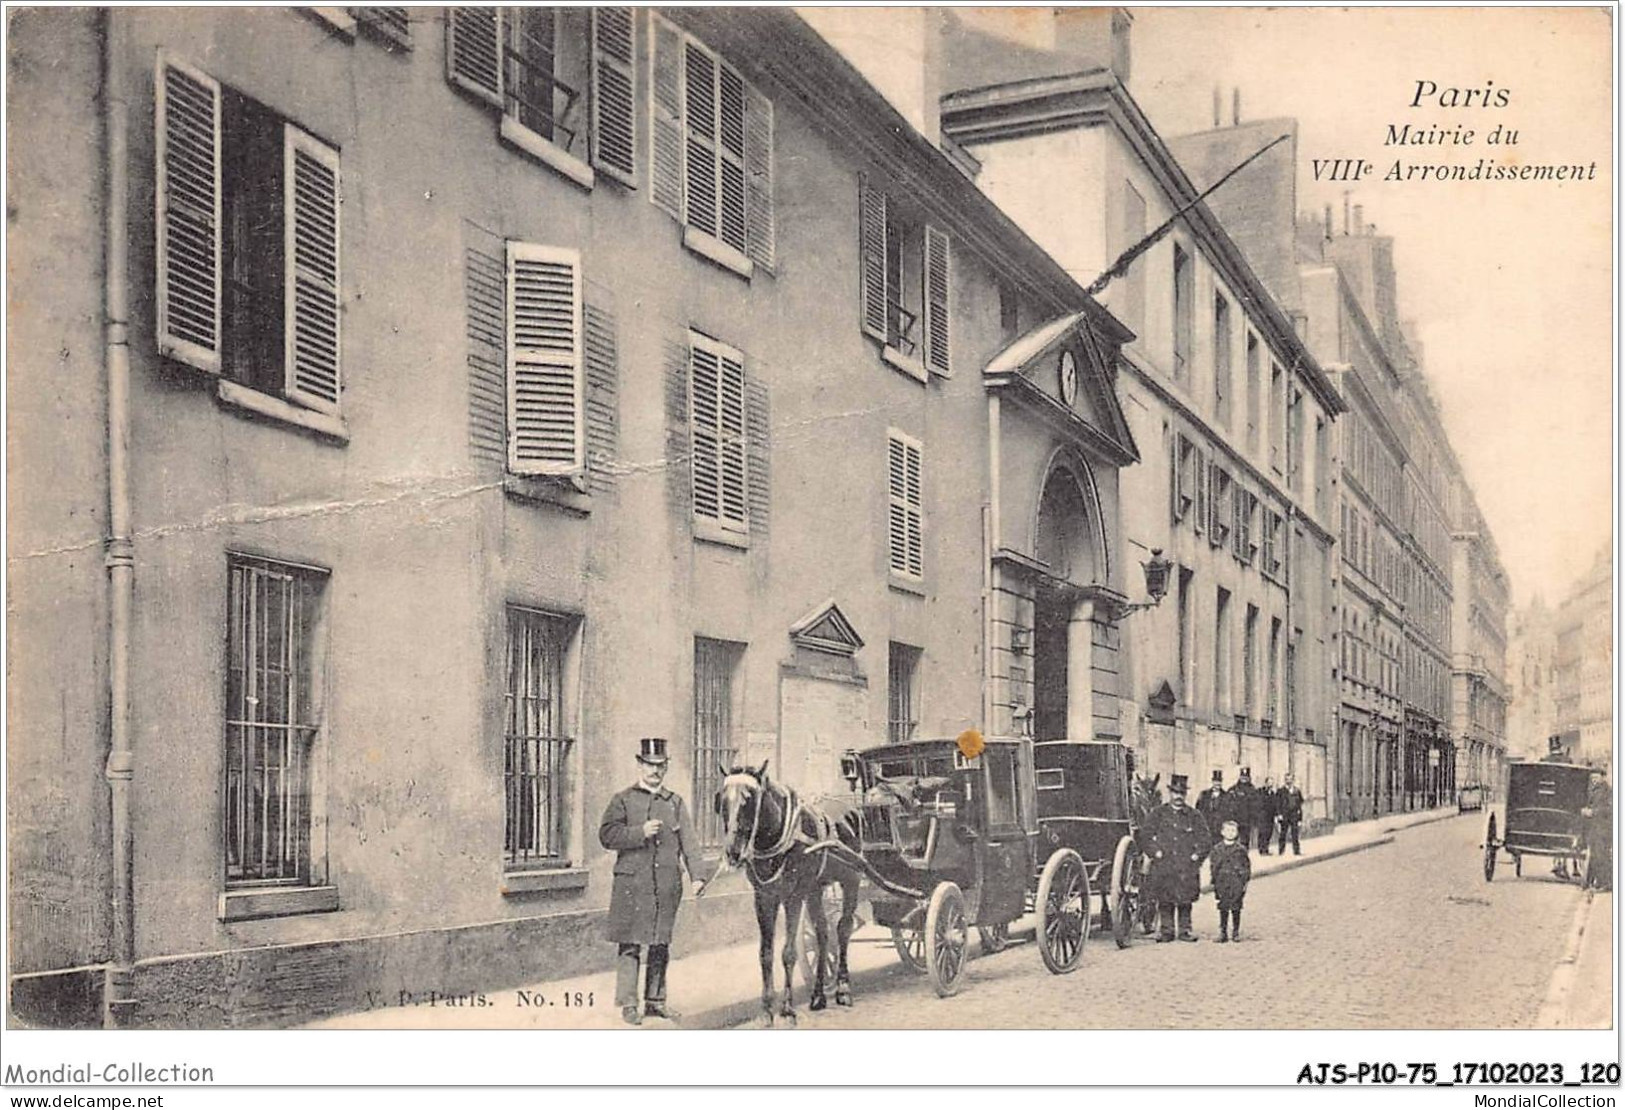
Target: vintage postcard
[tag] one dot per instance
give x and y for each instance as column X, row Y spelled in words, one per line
column 639, row 519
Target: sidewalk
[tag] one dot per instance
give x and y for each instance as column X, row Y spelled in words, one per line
column 719, row 988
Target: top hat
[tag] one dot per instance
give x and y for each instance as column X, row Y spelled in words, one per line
column 1246, row 774
column 1554, row 744
column 1218, row 777
column 1178, row 784
column 652, row 749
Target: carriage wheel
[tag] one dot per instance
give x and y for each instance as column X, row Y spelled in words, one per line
column 830, row 905
column 1123, row 894
column 1063, row 911
column 947, row 934
column 1490, row 848
column 995, row 938
column 910, row 945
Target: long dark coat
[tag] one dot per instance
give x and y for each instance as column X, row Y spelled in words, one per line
column 1290, row 801
column 648, row 882
column 1210, row 804
column 1241, row 804
column 1177, row 840
column 1231, row 868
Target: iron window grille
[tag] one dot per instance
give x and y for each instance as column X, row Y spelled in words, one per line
column 902, row 704
column 536, row 748
column 272, row 714
column 714, row 746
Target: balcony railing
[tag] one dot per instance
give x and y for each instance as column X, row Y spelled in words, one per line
column 541, row 102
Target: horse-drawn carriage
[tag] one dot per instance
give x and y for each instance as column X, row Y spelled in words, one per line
column 1089, row 801
column 940, row 836
column 1544, row 804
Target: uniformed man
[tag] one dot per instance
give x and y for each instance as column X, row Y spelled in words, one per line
column 1289, row 805
column 1211, row 802
column 1266, row 803
column 1599, row 831
column 647, row 828
column 1177, row 840
column 1243, row 798
column 1556, row 751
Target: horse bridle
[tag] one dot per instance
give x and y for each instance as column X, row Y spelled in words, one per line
column 750, row 854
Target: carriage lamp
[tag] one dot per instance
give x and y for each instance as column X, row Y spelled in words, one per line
column 1157, row 570
column 850, row 771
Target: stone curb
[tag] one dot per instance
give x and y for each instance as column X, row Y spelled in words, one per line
column 1296, row 862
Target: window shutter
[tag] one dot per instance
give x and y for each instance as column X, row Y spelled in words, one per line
column 872, row 258
column 310, row 177
column 760, row 229
column 392, row 24
column 666, row 116
column 904, row 525
column 704, row 373
column 717, row 431
column 189, row 214
column 614, row 142
column 474, row 51
column 1202, row 472
column 1173, row 478
column 544, row 360
column 700, row 138
column 731, row 387
column 936, row 301
column 731, row 216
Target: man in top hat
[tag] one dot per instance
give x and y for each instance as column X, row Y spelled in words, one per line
column 1599, row 831
column 1243, row 808
column 647, row 828
column 1289, row 806
column 1211, row 801
column 1555, row 751
column 1177, row 840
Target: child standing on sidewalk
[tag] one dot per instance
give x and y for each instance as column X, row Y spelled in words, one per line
column 1231, row 869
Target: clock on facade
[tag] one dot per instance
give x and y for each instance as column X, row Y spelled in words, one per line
column 1068, row 369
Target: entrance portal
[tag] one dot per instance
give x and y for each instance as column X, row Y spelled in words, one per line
column 1063, row 638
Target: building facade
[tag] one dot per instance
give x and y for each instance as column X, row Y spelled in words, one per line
column 1231, row 411
column 1479, row 690
column 488, row 388
column 1583, row 665
column 1532, row 681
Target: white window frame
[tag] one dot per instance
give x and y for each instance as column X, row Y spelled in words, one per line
column 709, row 525
column 907, row 508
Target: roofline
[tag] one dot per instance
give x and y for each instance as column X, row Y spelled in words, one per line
column 1058, row 103
column 835, row 95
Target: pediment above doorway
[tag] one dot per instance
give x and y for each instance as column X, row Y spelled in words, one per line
column 1063, row 372
column 826, row 629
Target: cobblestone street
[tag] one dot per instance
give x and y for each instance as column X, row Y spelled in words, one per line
column 1405, row 935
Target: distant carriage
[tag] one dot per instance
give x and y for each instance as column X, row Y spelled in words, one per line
column 1544, row 803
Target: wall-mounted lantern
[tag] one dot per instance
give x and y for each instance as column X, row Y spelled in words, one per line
column 1157, row 570
column 1021, row 640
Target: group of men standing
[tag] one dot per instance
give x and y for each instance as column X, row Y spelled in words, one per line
column 1177, row 838
column 1267, row 812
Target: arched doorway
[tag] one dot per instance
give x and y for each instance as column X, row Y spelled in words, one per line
column 1067, row 540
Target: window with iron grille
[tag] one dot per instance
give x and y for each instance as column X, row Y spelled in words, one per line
column 247, row 241
column 273, row 714
column 711, row 149
column 562, row 78
column 905, row 272
column 536, row 742
column 902, row 693
column 905, row 516
column 715, row 747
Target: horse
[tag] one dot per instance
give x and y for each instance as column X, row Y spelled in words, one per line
column 768, row 829
column 1144, row 795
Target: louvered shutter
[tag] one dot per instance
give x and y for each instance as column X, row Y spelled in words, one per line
column 393, row 24
column 936, row 301
column 718, row 438
column 905, row 525
column 544, row 360
column 189, row 214
column 700, row 138
column 666, row 116
column 760, row 231
column 474, row 51
column 704, row 373
column 614, row 143
column 731, row 218
column 731, row 388
column 872, row 258
column 1173, row 478
column 1201, row 520
column 310, row 177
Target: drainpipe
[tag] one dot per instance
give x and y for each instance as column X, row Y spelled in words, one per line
column 118, row 993
column 990, row 543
